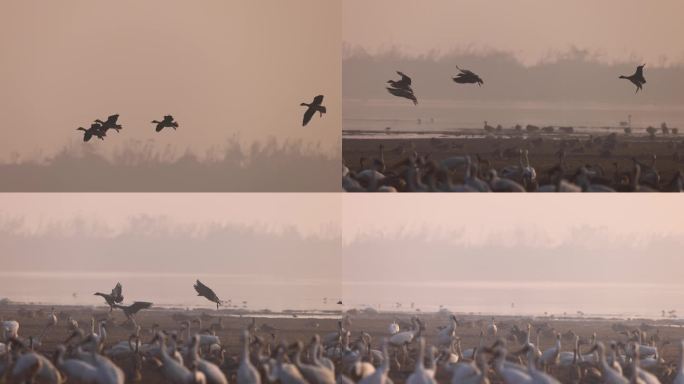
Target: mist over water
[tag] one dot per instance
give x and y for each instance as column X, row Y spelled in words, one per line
column 171, row 290
column 621, row 300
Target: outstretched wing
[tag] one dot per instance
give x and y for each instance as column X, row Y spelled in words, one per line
column 308, row 115
column 318, row 100
column 117, row 293
column 138, row 305
column 113, row 118
column 205, row 291
column 404, row 79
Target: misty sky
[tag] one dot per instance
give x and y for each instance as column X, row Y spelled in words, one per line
column 595, row 238
column 225, row 70
column 245, row 245
column 616, row 30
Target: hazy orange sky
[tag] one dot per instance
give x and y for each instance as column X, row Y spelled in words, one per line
column 617, row 30
column 224, row 69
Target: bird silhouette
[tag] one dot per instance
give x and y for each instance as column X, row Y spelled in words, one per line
column 167, row 122
column 407, row 94
column 110, row 123
column 637, row 78
column 94, row 130
column 112, row 298
column 206, row 292
column 314, row 107
column 467, row 77
column 404, row 83
column 131, row 310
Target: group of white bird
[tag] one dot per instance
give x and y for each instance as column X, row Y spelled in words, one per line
column 192, row 355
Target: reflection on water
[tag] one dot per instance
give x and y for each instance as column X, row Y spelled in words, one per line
column 171, row 290
column 520, row 298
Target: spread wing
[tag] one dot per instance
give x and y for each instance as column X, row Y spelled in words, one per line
column 138, row 305
column 117, row 293
column 318, row 100
column 308, row 115
column 205, row 291
column 404, row 79
column 113, row 118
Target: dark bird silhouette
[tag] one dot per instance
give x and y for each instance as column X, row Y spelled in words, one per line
column 206, row 292
column 94, row 130
column 467, row 77
column 314, row 107
column 408, row 94
column 110, row 123
column 112, row 298
column 131, row 310
column 339, row 302
column 167, row 122
column 637, row 78
column 404, row 83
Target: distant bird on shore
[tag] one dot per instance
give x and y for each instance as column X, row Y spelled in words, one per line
column 94, row 130
column 402, row 88
column 167, row 122
column 637, row 78
column 404, row 83
column 112, row 298
column 467, row 77
column 206, row 292
column 131, row 310
column 110, row 123
column 315, row 106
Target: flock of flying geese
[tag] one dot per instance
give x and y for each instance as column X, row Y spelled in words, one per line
column 99, row 128
column 185, row 356
column 402, row 87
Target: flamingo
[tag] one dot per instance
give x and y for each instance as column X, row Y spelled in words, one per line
column 211, row 371
column 75, row 370
column 420, row 374
column 551, row 356
column 110, row 123
column 173, row 371
column 467, row 77
column 492, row 330
column 246, row 373
column 207, row 293
column 311, row 372
column 609, row 374
column 446, row 335
column 115, row 297
column 510, row 375
column 679, row 377
column 380, row 376
column 404, row 83
column 283, row 372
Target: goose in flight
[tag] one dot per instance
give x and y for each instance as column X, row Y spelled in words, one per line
column 404, row 83
column 110, row 123
column 94, row 130
column 637, row 78
column 405, row 93
column 167, row 122
column 467, row 77
column 314, row 107
column 113, row 298
column 206, row 292
column 131, row 310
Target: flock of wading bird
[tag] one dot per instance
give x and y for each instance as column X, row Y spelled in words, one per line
column 507, row 352
column 99, row 127
column 418, row 173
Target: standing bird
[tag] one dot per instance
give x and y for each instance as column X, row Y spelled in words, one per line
column 314, row 107
column 206, row 292
column 110, row 123
column 167, row 122
column 637, row 78
column 113, row 298
column 467, row 77
column 94, row 130
column 131, row 310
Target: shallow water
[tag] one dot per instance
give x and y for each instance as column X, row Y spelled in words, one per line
column 520, row 298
